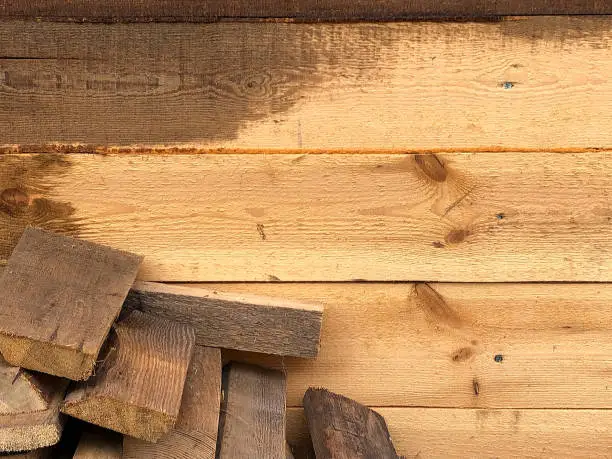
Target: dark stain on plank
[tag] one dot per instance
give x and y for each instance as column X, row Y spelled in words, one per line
column 456, row 236
column 26, row 184
column 435, row 307
column 463, row 354
column 431, row 166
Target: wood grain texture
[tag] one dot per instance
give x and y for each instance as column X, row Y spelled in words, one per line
column 407, row 345
column 195, row 432
column 99, row 444
column 29, row 409
column 138, row 387
column 341, row 428
column 252, row 422
column 475, row 433
column 42, row 453
column 306, row 10
column 468, row 217
column 523, row 84
column 245, row 322
column 60, row 298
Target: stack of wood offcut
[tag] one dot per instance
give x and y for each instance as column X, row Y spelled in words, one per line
column 140, row 363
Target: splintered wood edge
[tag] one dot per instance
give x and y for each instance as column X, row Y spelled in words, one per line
column 28, row 431
column 244, row 298
column 47, row 357
column 139, row 422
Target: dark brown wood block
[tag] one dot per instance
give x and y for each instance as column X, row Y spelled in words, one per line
column 341, row 428
column 137, row 389
column 59, row 299
column 195, row 432
column 252, row 420
column 235, row 321
column 29, row 409
column 310, row 10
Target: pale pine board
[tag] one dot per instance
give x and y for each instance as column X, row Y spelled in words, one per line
column 384, row 346
column 425, row 433
column 527, row 83
column 469, row 217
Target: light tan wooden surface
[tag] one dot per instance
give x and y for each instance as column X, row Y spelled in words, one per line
column 99, row 444
column 450, row 217
column 387, row 345
column 425, row 433
column 526, row 83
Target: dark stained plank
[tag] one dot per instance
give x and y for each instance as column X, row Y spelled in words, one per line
column 195, row 432
column 252, row 420
column 29, row 409
column 138, row 387
column 309, row 10
column 341, row 428
column 59, row 299
column 306, row 87
column 235, row 321
column 97, row 443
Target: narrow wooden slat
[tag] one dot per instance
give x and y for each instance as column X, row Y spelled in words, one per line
column 99, row 444
column 244, row 322
column 29, row 409
column 460, row 433
column 341, row 428
column 468, row 217
column 523, row 84
column 195, row 432
column 309, row 10
column 252, row 422
column 474, row 345
column 138, row 387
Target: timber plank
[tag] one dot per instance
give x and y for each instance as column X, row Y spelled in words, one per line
column 137, row 390
column 538, row 83
column 99, row 444
column 460, row 433
column 29, row 409
column 307, row 10
column 341, row 428
column 195, row 432
column 464, row 217
column 552, row 342
column 42, row 453
column 60, row 298
column 252, row 422
column 248, row 323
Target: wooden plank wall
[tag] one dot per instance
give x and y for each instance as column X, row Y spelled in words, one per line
column 462, row 169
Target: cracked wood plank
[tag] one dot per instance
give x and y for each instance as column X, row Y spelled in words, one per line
column 60, row 298
column 138, row 387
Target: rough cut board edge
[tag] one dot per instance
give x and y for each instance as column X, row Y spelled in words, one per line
column 302, row 313
column 301, row 10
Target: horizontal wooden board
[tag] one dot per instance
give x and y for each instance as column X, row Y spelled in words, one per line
column 539, row 83
column 455, row 345
column 459, row 433
column 308, row 10
column 470, row 217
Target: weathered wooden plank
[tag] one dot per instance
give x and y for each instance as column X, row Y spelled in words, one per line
column 307, row 10
column 245, row 322
column 137, row 389
column 59, row 299
column 195, row 432
column 99, row 444
column 460, row 433
column 468, row 217
column 524, row 84
column 341, row 428
column 252, row 422
column 29, row 409
column 461, row 345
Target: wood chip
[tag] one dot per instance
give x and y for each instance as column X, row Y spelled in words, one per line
column 195, row 432
column 137, row 390
column 235, row 321
column 29, row 409
column 97, row 443
column 252, row 423
column 341, row 428
column 59, row 299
